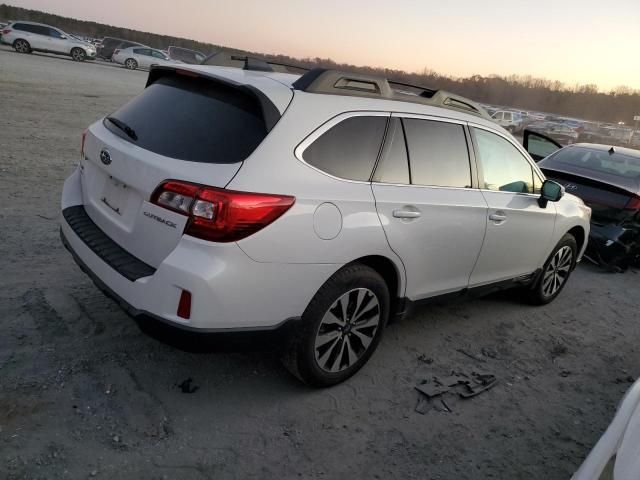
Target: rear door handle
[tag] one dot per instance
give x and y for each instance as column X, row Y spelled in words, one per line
column 498, row 217
column 406, row 214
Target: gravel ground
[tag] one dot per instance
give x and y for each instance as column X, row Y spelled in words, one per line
column 85, row 394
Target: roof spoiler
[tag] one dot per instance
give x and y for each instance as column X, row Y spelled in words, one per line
column 251, row 63
column 270, row 113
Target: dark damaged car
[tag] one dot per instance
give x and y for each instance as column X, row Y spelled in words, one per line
column 607, row 179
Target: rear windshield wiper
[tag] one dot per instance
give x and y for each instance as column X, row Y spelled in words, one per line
column 131, row 133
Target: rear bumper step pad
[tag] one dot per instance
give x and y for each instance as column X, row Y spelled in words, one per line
column 109, row 251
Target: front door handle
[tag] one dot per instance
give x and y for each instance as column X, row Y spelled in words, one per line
column 406, row 214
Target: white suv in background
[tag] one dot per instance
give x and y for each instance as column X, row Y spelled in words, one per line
column 222, row 199
column 27, row 37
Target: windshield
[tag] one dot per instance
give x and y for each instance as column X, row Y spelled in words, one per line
column 601, row 161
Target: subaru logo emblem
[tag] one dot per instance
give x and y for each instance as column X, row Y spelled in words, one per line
column 105, row 157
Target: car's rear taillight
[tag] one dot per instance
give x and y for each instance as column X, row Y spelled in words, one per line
column 116, row 51
column 84, row 137
column 220, row 215
column 6, row 31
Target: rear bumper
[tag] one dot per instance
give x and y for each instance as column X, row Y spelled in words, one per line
column 229, row 290
column 138, row 314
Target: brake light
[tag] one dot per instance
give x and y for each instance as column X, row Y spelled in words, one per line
column 116, row 51
column 220, row 215
column 187, row 73
column 84, row 136
column 6, row 31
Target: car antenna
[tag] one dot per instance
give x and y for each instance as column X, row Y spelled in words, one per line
column 611, row 151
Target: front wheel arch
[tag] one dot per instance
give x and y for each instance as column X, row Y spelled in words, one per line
column 580, row 236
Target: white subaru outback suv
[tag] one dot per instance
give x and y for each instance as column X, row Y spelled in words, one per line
column 222, row 199
column 27, row 37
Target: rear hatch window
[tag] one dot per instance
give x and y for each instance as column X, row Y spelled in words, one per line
column 192, row 119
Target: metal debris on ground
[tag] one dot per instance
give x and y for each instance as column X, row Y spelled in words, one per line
column 187, row 387
column 465, row 386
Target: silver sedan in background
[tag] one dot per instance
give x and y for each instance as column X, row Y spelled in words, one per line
column 141, row 57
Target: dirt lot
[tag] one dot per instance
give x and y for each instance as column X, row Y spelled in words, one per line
column 85, row 394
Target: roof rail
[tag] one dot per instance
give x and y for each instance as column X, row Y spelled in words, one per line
column 335, row 82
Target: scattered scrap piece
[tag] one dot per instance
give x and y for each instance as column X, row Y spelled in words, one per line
column 466, row 386
column 187, row 387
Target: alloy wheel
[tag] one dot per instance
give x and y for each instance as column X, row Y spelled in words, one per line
column 22, row 46
column 347, row 330
column 557, row 271
column 78, row 55
column 131, row 65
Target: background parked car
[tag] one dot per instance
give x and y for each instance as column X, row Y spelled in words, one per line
column 109, row 44
column 607, row 179
column 511, row 121
column 140, row 57
column 185, row 55
column 26, row 37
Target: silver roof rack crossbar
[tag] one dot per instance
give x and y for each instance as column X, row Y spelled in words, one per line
column 335, row 82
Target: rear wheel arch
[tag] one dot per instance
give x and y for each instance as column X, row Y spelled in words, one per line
column 18, row 41
column 391, row 274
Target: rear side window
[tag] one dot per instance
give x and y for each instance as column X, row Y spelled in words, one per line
column 438, row 153
column 349, row 149
column 193, row 119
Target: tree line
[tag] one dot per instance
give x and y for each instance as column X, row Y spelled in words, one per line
column 523, row 92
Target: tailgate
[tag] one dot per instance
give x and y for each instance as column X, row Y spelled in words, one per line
column 115, row 195
column 181, row 127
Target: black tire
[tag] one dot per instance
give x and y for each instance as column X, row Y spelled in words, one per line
column 78, row 54
column 22, row 46
column 545, row 289
column 131, row 64
column 352, row 283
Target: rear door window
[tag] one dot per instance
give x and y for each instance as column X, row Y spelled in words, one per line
column 438, row 153
column 193, row 119
column 349, row 149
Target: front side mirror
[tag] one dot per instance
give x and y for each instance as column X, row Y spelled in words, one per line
column 539, row 146
column 550, row 192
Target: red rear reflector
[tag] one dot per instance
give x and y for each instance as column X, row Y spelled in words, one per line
column 184, row 306
column 221, row 215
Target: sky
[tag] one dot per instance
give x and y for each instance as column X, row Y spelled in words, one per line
column 574, row 41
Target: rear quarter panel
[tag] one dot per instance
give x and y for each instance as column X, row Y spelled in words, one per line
column 274, row 168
